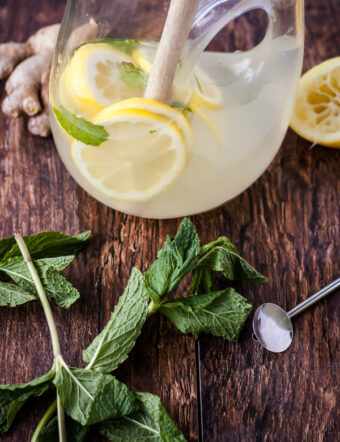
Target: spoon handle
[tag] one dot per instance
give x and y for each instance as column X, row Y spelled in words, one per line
column 175, row 33
column 314, row 298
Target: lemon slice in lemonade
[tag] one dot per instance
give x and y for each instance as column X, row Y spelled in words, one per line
column 316, row 114
column 159, row 108
column 204, row 91
column 144, row 154
column 91, row 79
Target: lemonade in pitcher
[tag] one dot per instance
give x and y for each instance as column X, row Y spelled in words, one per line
column 220, row 129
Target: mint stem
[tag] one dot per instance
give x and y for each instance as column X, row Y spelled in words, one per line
column 153, row 307
column 44, row 421
column 50, row 321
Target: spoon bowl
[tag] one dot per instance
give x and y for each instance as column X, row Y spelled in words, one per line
column 272, row 327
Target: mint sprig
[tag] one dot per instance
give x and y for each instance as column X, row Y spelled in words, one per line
column 79, row 128
column 94, row 400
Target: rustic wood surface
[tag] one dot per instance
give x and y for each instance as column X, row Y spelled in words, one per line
column 287, row 224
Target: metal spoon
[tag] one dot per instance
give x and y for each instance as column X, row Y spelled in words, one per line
column 272, row 326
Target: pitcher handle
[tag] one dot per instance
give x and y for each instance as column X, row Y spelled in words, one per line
column 286, row 18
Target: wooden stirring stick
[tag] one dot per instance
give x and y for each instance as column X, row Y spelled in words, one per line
column 175, row 33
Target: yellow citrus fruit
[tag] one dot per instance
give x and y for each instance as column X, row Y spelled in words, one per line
column 316, row 114
column 91, row 79
column 143, row 155
column 159, row 108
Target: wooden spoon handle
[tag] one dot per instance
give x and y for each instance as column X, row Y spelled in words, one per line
column 175, row 33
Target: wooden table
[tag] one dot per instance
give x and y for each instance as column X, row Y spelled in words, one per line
column 287, row 224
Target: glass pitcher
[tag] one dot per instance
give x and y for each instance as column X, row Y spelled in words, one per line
column 225, row 121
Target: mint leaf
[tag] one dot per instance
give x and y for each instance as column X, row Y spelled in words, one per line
column 14, row 396
column 81, row 129
column 55, row 285
column 150, row 423
column 177, row 257
column 181, row 106
column 201, row 282
column 12, row 295
column 133, row 76
column 126, row 45
column 45, row 245
column 221, row 255
column 198, row 84
column 223, row 314
column 5, row 245
column 193, row 304
column 112, row 346
column 55, row 249
column 74, row 431
column 90, row 397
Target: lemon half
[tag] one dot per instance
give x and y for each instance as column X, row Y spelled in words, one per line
column 316, row 114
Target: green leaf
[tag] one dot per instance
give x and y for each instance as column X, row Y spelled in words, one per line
column 126, row 45
column 221, row 255
column 181, row 106
column 81, row 129
column 223, row 314
column 74, row 431
column 12, row 295
column 177, row 257
column 90, row 397
column 201, row 282
column 150, row 424
column 55, row 285
column 14, row 396
column 112, row 346
column 198, row 84
column 5, row 246
column 192, row 304
column 133, row 76
column 53, row 245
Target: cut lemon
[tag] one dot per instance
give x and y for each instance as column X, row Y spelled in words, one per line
column 90, row 80
column 205, row 92
column 144, row 155
column 316, row 114
column 159, row 108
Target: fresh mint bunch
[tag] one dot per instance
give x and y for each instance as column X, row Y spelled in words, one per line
column 93, row 399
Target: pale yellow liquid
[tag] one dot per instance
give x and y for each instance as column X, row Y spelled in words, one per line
column 258, row 89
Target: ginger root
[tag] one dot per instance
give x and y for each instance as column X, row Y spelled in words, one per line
column 25, row 77
column 28, row 67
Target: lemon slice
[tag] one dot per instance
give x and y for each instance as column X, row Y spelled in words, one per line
column 90, row 80
column 316, row 114
column 159, row 108
column 144, row 155
column 204, row 91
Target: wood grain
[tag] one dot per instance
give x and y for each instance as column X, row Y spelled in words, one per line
column 287, row 224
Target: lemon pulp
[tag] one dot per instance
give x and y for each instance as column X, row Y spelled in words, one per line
column 316, row 114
